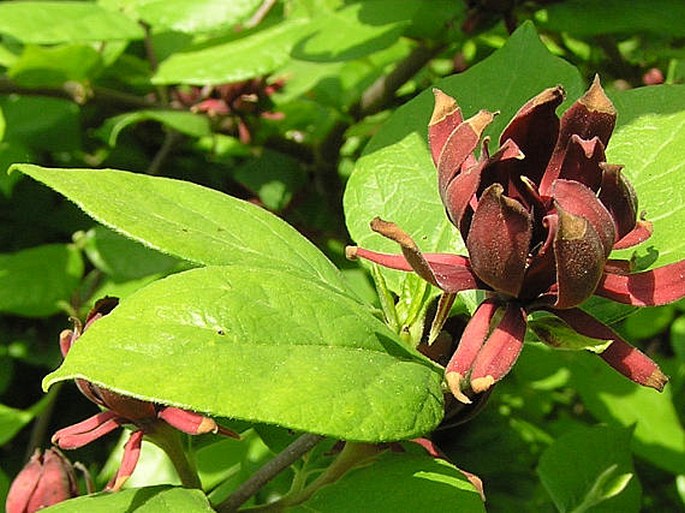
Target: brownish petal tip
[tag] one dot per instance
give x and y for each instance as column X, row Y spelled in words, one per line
column 351, row 252
column 454, row 380
column 444, row 106
column 596, row 100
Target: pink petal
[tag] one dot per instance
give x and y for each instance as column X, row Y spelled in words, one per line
column 500, row 351
column 659, row 286
column 472, row 340
column 626, row 359
column 128, row 462
column 191, row 423
column 78, row 435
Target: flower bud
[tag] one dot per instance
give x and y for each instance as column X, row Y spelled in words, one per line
column 46, row 479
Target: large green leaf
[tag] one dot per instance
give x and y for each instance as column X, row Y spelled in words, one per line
column 396, row 179
column 155, row 499
column 265, row 345
column 395, row 483
column 650, row 146
column 591, row 469
column 257, row 53
column 34, row 281
column 659, row 436
column 62, row 22
column 53, row 66
column 188, row 221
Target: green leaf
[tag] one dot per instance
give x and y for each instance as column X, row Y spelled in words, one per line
column 395, row 178
column 558, row 334
column 591, row 469
column 255, row 54
column 357, row 30
column 188, row 221
column 61, row 22
column 264, row 345
column 155, row 499
column 187, row 123
column 13, row 420
column 191, row 17
column 53, row 66
column 592, row 18
column 41, row 123
column 121, row 258
column 650, row 147
column 273, row 176
column 34, row 281
column 659, row 436
column 398, row 482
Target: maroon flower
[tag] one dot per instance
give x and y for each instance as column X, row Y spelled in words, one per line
column 46, row 479
column 147, row 418
column 235, row 106
column 540, row 218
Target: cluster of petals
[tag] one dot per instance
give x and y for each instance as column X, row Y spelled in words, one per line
column 540, row 218
column 118, row 410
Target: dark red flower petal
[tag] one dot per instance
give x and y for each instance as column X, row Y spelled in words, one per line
column 450, row 273
column 659, row 286
column 472, row 340
column 580, row 258
column 500, row 351
column 191, row 422
column 498, row 241
column 575, row 198
column 459, row 146
column 592, row 115
column 626, row 359
column 640, row 233
column 534, row 129
column 619, row 197
column 582, row 162
column 446, row 117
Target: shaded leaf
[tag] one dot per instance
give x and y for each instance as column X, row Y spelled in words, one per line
column 34, row 281
column 659, row 436
column 264, row 345
column 591, row 469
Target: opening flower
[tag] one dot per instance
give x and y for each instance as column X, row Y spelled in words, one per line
column 148, row 419
column 540, row 217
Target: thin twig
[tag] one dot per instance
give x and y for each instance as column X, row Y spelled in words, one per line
column 265, row 474
column 171, row 137
column 259, row 14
